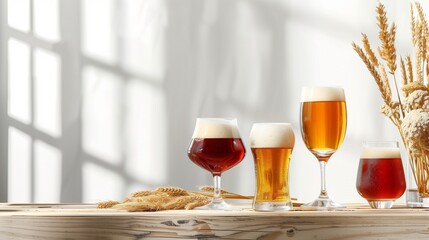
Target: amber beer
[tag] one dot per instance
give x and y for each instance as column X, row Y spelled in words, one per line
column 272, row 145
column 323, row 121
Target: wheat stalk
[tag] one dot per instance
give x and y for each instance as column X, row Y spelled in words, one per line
column 385, row 90
column 404, row 72
column 410, row 70
column 138, row 207
column 193, row 205
column 371, row 55
column 404, row 75
column 413, row 27
column 183, row 201
column 387, row 38
column 413, row 79
column 422, row 17
column 384, row 82
column 225, row 194
column 107, row 204
column 172, row 191
column 142, row 194
column 419, row 54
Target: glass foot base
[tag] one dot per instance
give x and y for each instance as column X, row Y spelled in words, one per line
column 221, row 205
column 272, row 206
column 381, row 204
column 322, row 204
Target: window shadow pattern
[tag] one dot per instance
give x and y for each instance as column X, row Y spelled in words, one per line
column 109, row 100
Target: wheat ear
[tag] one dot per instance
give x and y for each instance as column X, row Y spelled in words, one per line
column 387, row 37
column 383, row 89
column 413, row 27
column 422, row 17
column 142, row 194
column 225, row 193
column 410, row 70
column 107, row 204
column 419, row 54
column 368, row 50
column 403, row 72
column 172, row 191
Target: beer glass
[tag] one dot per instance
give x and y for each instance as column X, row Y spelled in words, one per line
column 216, row 146
column 380, row 178
column 323, row 126
column 272, row 145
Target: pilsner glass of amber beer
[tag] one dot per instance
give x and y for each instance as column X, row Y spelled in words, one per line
column 216, row 146
column 272, row 145
column 380, row 178
column 323, row 127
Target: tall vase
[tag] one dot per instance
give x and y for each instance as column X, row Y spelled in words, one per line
column 417, row 194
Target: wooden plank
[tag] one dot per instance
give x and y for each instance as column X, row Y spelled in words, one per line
column 109, row 224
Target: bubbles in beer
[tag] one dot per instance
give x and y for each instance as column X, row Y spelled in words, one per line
column 368, row 152
column 318, row 94
column 216, row 128
column 272, row 135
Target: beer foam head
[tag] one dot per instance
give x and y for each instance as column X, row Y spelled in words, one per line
column 216, row 128
column 382, row 152
column 265, row 135
column 318, row 94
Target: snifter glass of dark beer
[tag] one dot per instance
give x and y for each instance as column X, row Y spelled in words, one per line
column 216, row 146
column 380, row 178
column 272, row 145
column 323, row 127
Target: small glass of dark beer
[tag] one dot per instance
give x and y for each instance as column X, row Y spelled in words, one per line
column 380, row 178
column 272, row 145
column 216, row 146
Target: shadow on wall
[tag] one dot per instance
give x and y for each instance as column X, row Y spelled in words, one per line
column 181, row 61
column 103, row 96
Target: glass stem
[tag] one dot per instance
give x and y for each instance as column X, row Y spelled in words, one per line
column 323, row 192
column 217, row 195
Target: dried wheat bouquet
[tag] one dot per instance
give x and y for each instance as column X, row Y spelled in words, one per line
column 408, row 108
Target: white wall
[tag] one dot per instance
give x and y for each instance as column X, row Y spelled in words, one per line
column 132, row 76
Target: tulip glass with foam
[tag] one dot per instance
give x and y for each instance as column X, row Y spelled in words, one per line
column 216, row 146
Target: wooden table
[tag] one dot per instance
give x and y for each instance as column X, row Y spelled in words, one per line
column 85, row 222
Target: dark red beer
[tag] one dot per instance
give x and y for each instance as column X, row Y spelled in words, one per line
column 380, row 178
column 216, row 155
